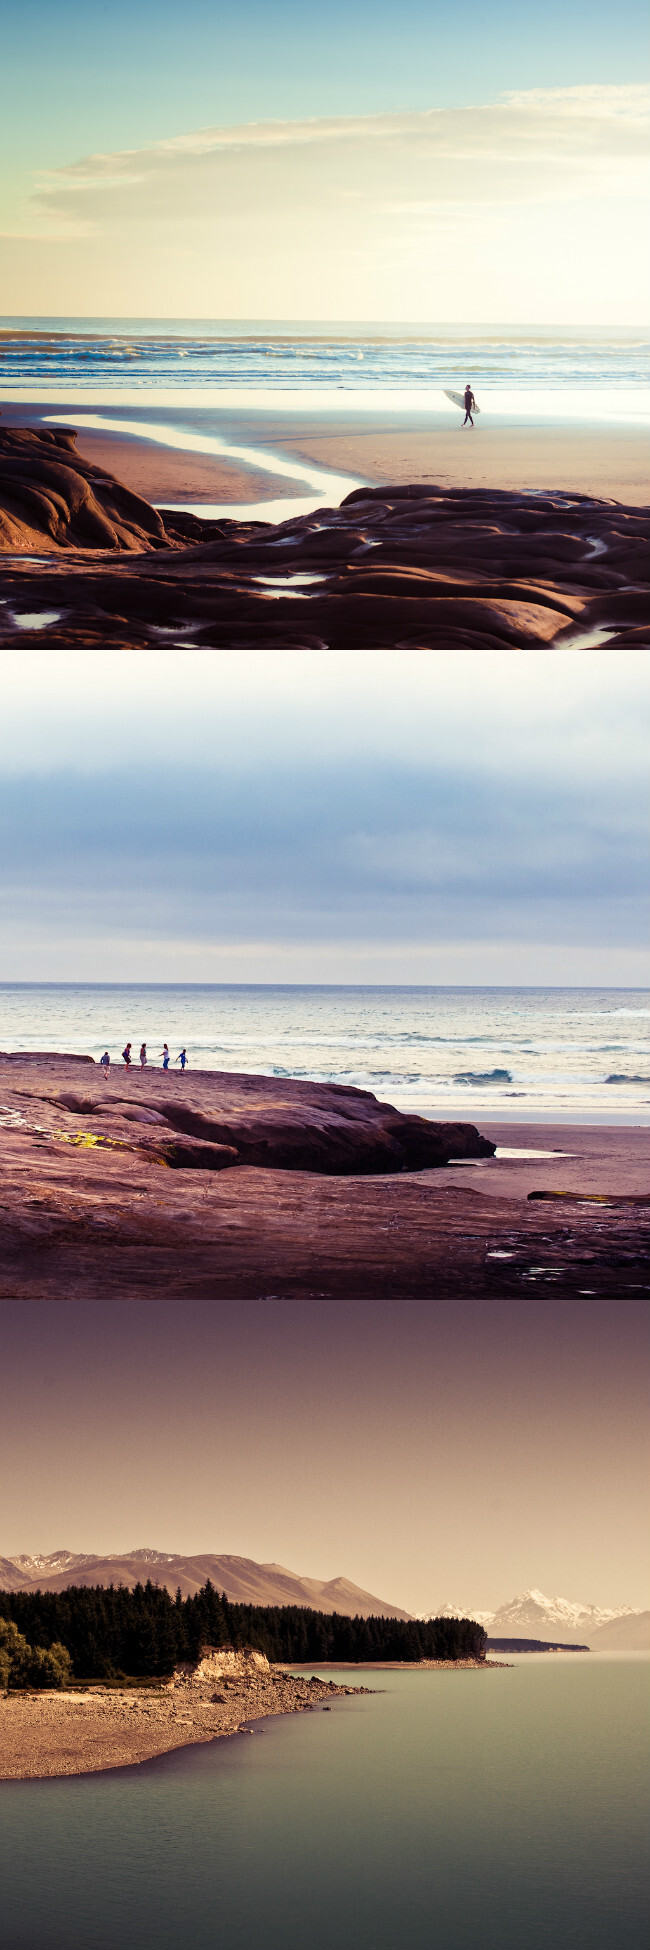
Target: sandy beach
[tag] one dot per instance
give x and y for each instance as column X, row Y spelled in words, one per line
column 609, row 460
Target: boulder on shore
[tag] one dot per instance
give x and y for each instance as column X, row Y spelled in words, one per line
column 51, row 498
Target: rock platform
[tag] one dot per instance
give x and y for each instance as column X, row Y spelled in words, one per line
column 403, row 567
column 88, row 1215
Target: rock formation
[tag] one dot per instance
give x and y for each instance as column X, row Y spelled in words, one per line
column 212, row 1121
column 90, row 1208
column 51, row 498
column 393, row 568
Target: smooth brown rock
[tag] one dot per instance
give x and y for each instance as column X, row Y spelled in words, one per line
column 212, row 1119
column 397, row 567
column 52, row 498
column 89, row 1215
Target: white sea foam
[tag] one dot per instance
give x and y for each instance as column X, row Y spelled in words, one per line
column 542, row 1053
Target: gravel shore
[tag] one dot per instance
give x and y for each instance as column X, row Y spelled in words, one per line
column 44, row 1735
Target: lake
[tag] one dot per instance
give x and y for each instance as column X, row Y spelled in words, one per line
column 504, row 1809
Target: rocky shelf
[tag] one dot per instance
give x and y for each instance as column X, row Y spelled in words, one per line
column 409, row 567
column 213, row 1121
column 310, row 1192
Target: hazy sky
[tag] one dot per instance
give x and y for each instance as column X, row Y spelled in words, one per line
column 457, row 1452
column 391, row 816
column 427, row 163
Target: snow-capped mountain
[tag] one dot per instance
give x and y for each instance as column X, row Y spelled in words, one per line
column 532, row 1615
column 38, row 1566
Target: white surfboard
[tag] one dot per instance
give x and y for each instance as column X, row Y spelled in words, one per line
column 459, row 400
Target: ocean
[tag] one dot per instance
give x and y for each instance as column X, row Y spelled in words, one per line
column 506, row 1809
column 509, row 1054
column 193, row 385
column 188, row 353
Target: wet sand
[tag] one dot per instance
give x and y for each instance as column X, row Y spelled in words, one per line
column 590, row 1160
column 381, row 448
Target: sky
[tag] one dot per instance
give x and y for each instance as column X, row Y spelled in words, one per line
column 385, row 817
column 456, row 1452
column 426, row 164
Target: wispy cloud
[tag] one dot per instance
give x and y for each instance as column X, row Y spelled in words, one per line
column 504, row 209
column 499, row 151
column 365, row 812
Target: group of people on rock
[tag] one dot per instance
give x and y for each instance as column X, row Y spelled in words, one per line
column 105, row 1061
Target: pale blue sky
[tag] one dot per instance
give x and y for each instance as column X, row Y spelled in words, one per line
column 117, row 74
column 494, row 208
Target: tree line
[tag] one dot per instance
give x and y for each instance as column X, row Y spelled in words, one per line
column 110, row 1632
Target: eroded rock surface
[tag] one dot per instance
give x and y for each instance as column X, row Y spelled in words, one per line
column 408, row 567
column 51, row 498
column 85, row 1215
column 212, row 1120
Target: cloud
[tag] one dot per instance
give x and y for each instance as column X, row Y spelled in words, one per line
column 185, row 816
column 505, row 210
column 545, row 142
column 322, row 855
column 501, row 716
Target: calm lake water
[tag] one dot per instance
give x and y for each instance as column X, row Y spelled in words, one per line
column 506, row 1810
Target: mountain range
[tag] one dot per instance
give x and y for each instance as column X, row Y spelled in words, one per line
column 622, row 1628
column 244, row 1581
column 531, row 1614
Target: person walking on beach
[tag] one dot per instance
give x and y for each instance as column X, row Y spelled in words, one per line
column 470, row 403
column 105, row 1064
column 165, row 1056
column 126, row 1056
column 182, row 1058
column 143, row 1056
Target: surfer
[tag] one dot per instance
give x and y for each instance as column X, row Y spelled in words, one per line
column 470, row 404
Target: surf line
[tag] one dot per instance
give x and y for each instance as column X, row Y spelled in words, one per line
column 334, row 486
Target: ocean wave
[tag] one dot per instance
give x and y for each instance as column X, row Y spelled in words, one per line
column 483, row 1076
column 625, row 1079
column 356, row 359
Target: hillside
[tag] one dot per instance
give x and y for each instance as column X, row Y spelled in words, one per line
column 243, row 1580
